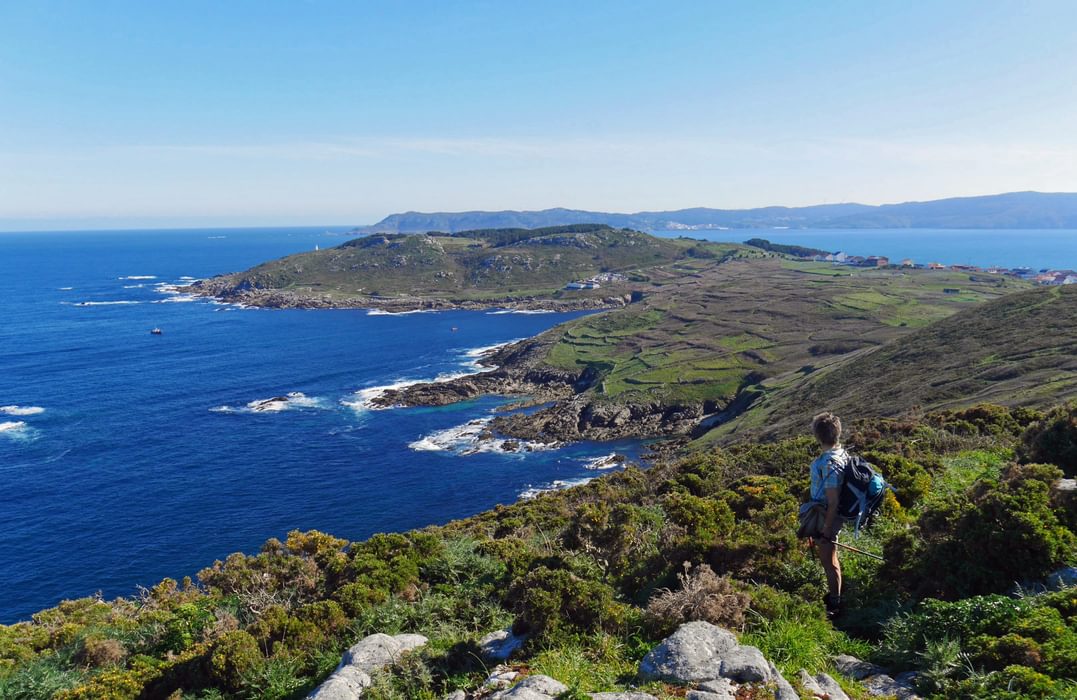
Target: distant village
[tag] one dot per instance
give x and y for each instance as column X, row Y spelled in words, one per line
column 596, row 281
column 1044, row 276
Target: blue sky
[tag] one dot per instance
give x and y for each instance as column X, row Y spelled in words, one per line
column 252, row 113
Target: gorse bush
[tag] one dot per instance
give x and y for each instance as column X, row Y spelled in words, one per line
column 1053, row 439
column 997, row 533
column 595, row 576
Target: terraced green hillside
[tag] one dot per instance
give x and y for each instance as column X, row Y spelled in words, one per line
column 727, row 334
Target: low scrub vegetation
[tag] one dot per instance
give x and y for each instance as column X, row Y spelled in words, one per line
column 596, row 575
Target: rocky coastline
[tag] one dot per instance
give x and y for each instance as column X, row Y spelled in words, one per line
column 225, row 290
column 515, row 371
column 566, row 412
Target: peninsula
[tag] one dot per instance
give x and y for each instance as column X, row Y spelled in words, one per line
column 697, row 340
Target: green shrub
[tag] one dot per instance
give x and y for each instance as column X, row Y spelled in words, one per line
column 995, row 534
column 552, row 602
column 235, row 655
column 1011, row 683
column 909, row 479
column 1053, row 439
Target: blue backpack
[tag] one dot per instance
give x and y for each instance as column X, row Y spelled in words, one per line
column 862, row 492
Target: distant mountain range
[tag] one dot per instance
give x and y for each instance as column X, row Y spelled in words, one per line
column 1017, row 210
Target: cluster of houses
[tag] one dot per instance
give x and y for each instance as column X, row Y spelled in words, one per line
column 1044, row 276
column 596, row 281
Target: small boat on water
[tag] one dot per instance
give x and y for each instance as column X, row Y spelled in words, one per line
column 155, row 331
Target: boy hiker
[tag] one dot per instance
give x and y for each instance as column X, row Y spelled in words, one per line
column 827, row 474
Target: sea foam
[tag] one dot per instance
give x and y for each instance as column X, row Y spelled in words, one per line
column 290, row 401
column 21, row 410
column 502, row 312
column 555, row 485
column 474, row 437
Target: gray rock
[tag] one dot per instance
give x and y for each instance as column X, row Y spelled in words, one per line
column 500, row 677
column 884, row 685
column 719, row 686
column 745, row 664
column 363, row 658
column 830, row 687
column 808, row 683
column 500, row 645
column 456, row 695
column 855, row 668
column 1065, row 485
column 629, row 695
column 536, row 687
column 782, row 689
column 718, row 689
column 691, row 654
column 821, row 685
column 907, row 679
column 338, row 688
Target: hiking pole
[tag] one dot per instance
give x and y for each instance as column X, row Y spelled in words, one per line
column 854, row 549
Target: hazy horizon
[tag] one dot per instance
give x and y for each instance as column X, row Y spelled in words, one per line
column 128, row 115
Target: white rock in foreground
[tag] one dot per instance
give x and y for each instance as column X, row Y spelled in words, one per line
column 691, row 654
column 536, row 687
column 500, row 645
column 368, row 655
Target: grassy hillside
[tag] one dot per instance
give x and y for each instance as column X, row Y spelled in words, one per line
column 595, row 576
column 712, row 336
column 482, row 265
column 1017, row 350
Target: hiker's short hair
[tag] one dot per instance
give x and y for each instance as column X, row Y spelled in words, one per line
column 827, row 428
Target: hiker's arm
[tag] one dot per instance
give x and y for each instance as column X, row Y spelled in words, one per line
column 829, row 529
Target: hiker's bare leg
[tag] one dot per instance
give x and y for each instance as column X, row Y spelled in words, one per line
column 828, row 556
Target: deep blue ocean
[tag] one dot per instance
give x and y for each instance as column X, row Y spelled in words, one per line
column 126, row 457
column 1036, row 249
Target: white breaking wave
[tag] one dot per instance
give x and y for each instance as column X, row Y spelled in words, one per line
column 383, row 312
column 474, row 437
column 66, row 289
column 610, row 461
column 179, row 298
column 475, row 355
column 21, row 410
column 276, row 404
column 17, row 430
column 464, row 439
column 139, row 277
column 101, row 303
column 501, row 312
column 188, row 278
column 488, row 349
column 133, row 286
column 363, row 400
column 555, row 485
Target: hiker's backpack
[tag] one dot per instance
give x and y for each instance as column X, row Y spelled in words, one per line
column 862, row 492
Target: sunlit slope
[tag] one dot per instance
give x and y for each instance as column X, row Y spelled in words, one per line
column 467, row 265
column 1017, row 350
column 728, row 328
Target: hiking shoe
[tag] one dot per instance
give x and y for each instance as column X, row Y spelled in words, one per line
column 833, row 605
